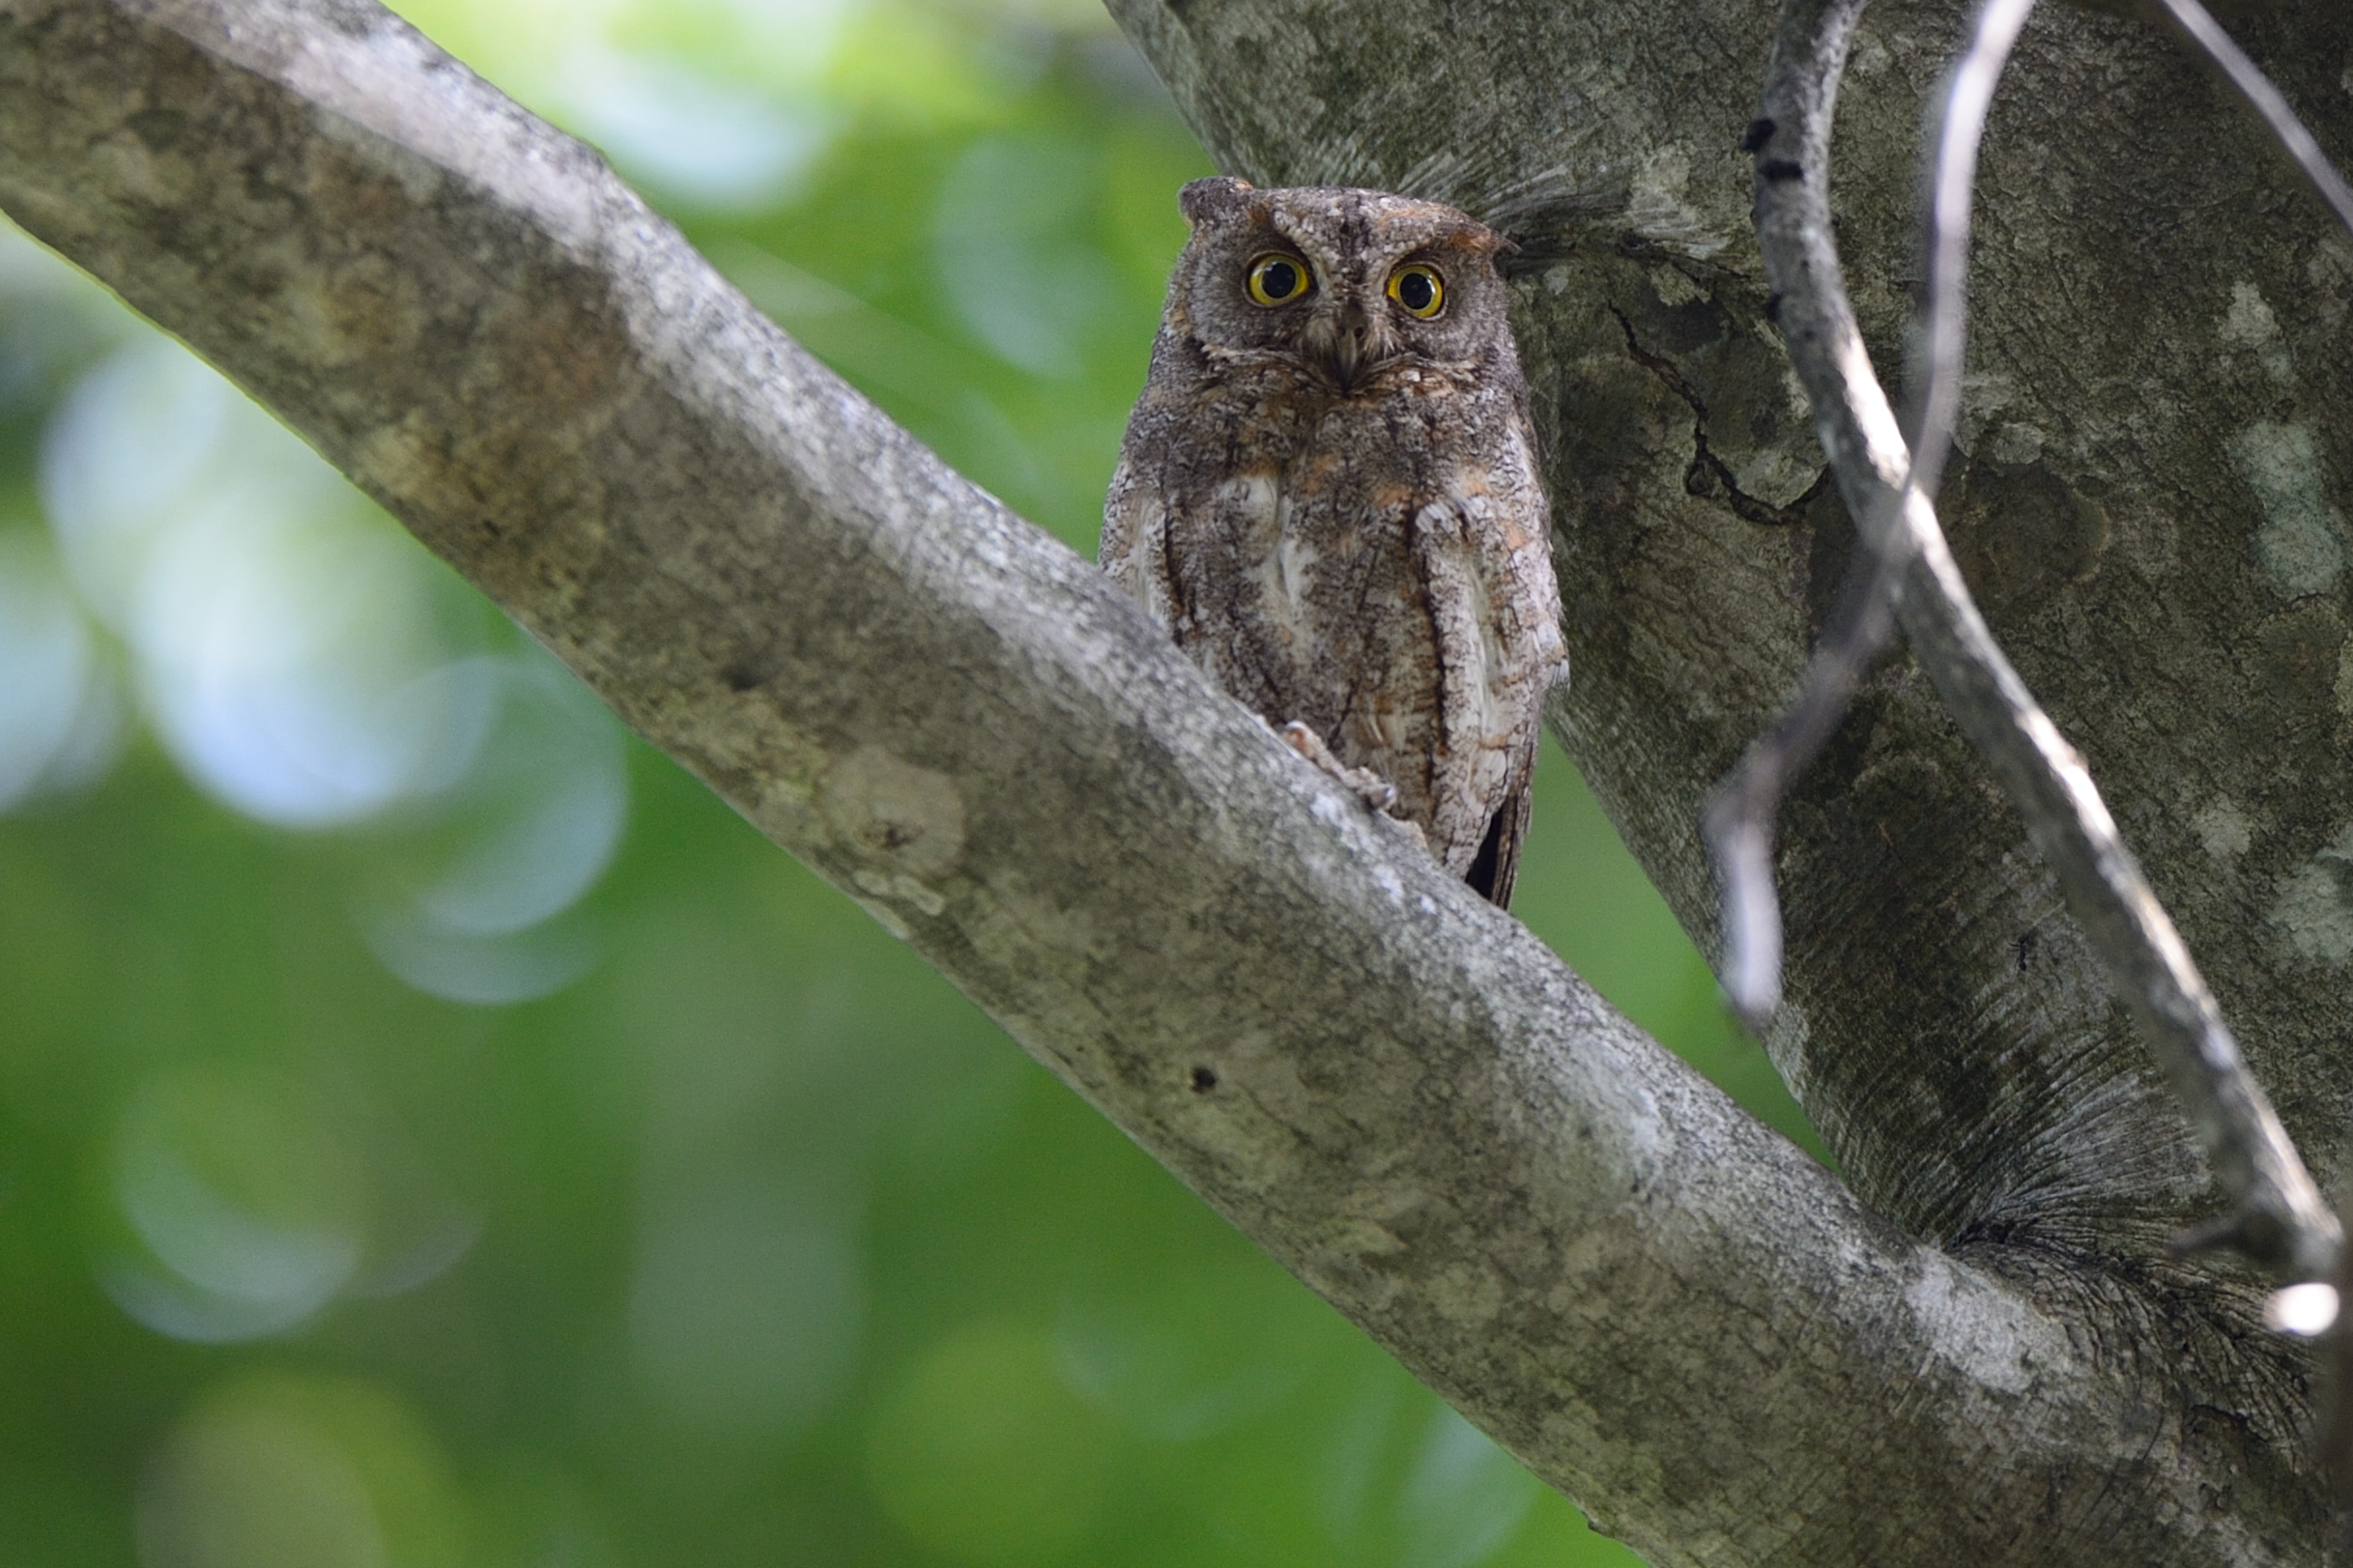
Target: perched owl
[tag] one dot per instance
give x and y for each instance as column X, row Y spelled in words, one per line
column 1329, row 496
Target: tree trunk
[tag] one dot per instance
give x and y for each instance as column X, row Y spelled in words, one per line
column 2142, row 502
column 1979, row 1349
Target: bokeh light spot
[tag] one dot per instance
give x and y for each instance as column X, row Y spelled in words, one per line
column 982, row 1455
column 1463, row 1497
column 474, row 903
column 245, row 1208
column 128, row 442
column 481, row 971
column 277, row 1471
column 747, row 1310
column 535, row 821
column 1015, row 251
column 278, row 627
column 712, row 143
column 61, row 721
column 280, row 656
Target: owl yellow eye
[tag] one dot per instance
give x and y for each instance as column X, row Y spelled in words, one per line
column 1276, row 279
column 1418, row 289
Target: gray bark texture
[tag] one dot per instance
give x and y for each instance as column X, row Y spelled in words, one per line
column 1977, row 1349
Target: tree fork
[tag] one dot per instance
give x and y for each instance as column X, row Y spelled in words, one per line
column 1663, row 1308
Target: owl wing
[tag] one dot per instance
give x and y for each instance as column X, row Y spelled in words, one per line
column 1495, row 868
column 1484, row 552
column 1135, row 545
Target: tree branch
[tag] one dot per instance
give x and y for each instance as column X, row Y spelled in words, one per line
column 2277, row 1213
column 2155, row 520
column 1664, row 1309
column 1739, row 818
column 2295, row 143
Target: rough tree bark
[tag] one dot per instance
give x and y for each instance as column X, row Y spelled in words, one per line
column 1977, row 1349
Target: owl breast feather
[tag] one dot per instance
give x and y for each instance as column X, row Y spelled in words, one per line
column 1375, row 567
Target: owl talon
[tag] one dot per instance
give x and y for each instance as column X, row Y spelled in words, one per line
column 1377, row 793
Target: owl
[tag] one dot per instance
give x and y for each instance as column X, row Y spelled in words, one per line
column 1329, row 496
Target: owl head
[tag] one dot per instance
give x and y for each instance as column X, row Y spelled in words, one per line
column 1346, row 283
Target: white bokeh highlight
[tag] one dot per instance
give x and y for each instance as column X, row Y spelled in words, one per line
column 2306, row 1310
column 711, row 144
column 305, row 664
column 278, row 642
column 478, row 905
column 244, row 1212
column 61, row 716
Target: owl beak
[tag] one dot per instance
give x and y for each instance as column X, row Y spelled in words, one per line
column 1345, row 351
column 1347, row 357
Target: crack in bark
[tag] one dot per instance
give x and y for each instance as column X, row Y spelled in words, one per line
column 1709, row 474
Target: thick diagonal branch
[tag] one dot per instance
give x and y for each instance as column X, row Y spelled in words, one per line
column 2276, row 1214
column 1394, row 1089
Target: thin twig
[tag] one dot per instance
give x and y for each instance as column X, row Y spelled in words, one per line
column 2296, row 142
column 1740, row 817
column 2277, row 1213
column 1740, row 814
column 2336, row 1399
column 1952, row 185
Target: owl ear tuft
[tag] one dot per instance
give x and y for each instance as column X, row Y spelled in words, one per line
column 1477, row 238
column 1218, row 197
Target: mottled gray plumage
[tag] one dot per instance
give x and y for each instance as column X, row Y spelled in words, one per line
column 1330, row 498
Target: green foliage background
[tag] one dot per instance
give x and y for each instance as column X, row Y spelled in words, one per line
column 679, row 1216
